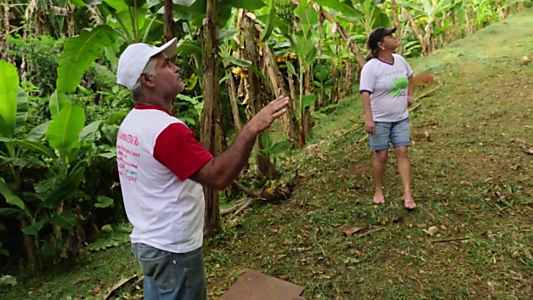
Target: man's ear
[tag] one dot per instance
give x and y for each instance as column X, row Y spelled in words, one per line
column 146, row 80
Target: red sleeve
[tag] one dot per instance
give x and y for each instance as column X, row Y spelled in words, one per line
column 176, row 148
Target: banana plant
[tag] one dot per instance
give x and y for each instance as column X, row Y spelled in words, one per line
column 304, row 44
column 65, row 133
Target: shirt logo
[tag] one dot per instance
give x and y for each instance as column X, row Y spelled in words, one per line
column 399, row 86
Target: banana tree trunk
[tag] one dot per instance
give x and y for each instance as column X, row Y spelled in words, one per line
column 428, row 38
column 415, row 29
column 29, row 245
column 211, row 133
column 306, row 120
column 5, row 29
column 397, row 24
column 279, row 88
column 348, row 79
column 292, row 89
column 257, row 95
column 168, row 21
column 71, row 21
column 232, row 91
column 335, row 87
column 469, row 26
column 453, row 31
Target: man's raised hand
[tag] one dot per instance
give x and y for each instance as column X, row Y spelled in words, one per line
column 269, row 114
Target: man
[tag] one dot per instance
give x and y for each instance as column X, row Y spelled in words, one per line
column 162, row 169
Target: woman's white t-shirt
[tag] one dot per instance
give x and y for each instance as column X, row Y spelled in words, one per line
column 387, row 85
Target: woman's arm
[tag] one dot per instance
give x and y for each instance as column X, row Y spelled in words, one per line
column 370, row 126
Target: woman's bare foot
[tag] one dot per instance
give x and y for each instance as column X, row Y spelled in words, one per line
column 409, row 203
column 378, row 199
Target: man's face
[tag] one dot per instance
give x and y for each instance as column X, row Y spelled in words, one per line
column 166, row 78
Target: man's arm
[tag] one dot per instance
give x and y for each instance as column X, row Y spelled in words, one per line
column 220, row 171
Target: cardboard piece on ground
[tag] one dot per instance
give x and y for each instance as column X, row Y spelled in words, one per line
column 256, row 286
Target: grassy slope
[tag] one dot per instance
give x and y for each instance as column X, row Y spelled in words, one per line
column 470, row 180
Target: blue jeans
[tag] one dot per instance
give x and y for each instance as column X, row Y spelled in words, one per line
column 171, row 276
column 395, row 132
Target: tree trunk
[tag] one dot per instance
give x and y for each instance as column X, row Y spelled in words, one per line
column 308, row 90
column 29, row 245
column 416, row 30
column 256, row 94
column 397, row 24
column 454, row 32
column 169, row 21
column 335, row 87
column 292, row 89
column 5, row 30
column 211, row 134
column 348, row 79
column 428, row 38
column 232, row 91
column 279, row 88
column 468, row 26
column 71, row 21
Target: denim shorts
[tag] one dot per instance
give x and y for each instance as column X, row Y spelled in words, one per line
column 395, row 132
column 171, row 276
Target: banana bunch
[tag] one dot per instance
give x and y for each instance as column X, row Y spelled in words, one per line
column 284, row 10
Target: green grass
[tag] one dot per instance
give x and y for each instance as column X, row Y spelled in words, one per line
column 470, row 181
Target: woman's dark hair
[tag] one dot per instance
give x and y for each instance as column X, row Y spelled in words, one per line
column 375, row 38
column 373, row 53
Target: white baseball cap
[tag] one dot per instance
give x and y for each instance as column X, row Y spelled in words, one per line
column 134, row 59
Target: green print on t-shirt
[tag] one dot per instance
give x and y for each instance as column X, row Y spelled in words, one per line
column 398, row 87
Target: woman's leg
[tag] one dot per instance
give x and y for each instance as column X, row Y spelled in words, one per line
column 379, row 142
column 404, row 167
column 400, row 132
column 380, row 164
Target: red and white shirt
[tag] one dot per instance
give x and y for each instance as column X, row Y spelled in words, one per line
column 156, row 155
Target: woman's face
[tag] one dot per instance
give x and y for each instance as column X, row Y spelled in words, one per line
column 390, row 42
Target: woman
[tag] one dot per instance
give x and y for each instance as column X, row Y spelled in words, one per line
column 386, row 88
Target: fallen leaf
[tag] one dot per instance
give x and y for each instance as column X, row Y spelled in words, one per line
column 304, row 249
column 515, row 254
column 352, row 231
column 528, row 254
column 474, row 206
column 335, row 225
column 287, row 242
column 431, row 230
column 280, row 256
